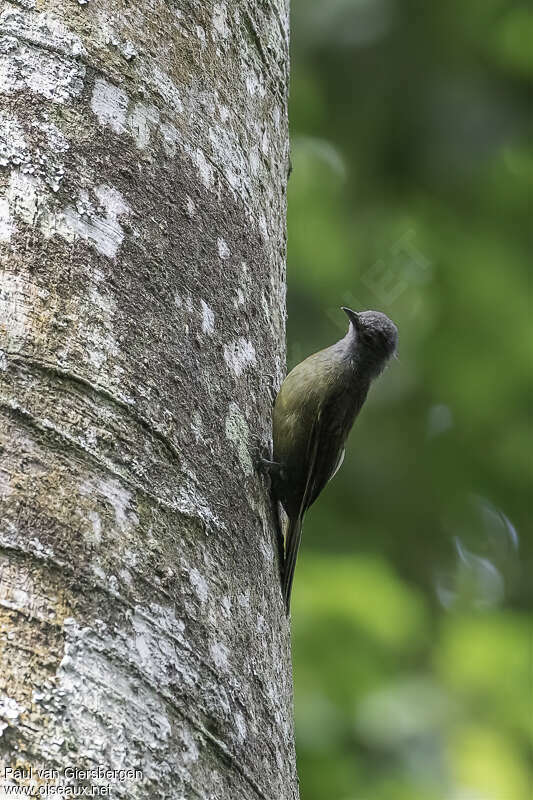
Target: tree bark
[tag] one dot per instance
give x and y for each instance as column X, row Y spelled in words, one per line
column 144, row 158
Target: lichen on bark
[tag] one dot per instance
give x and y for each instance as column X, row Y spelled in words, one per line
column 143, row 165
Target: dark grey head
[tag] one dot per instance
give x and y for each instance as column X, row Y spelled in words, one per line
column 376, row 338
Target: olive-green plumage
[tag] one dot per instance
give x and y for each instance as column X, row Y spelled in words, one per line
column 313, row 414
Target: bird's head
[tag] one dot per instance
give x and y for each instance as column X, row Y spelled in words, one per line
column 376, row 337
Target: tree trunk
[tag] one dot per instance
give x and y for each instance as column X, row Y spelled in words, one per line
column 144, row 156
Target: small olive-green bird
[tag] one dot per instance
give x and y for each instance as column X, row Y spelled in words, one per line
column 313, row 415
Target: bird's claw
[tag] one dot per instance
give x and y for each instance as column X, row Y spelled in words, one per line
column 260, row 453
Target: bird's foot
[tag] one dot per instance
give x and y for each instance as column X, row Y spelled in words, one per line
column 261, row 457
column 271, row 468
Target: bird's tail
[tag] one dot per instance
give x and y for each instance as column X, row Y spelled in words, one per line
column 292, row 545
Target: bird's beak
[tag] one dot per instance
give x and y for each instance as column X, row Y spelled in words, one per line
column 352, row 315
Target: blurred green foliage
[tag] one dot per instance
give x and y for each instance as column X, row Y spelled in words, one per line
column 411, row 193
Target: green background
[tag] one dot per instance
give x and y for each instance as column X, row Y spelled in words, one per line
column 411, row 194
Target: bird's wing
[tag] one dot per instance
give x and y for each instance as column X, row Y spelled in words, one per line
column 325, row 452
column 294, row 529
column 324, row 456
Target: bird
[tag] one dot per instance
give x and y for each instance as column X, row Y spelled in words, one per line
column 313, row 414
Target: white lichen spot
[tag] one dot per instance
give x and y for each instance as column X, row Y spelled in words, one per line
column 55, row 139
column 226, row 605
column 197, row 426
column 15, row 303
column 110, row 105
column 219, row 654
column 208, row 319
column 207, row 101
column 40, row 28
column 238, row 433
column 263, row 227
column 128, row 50
column 266, row 310
column 239, row 299
column 255, row 161
column 199, row 584
column 6, row 224
column 189, row 752
column 204, row 168
column 267, row 551
column 224, row 112
column 23, row 197
column 142, row 120
column 31, row 67
column 120, row 500
column 126, row 576
column 239, row 355
column 223, row 249
column 40, row 550
column 184, row 303
column 98, row 571
column 95, row 672
column 201, row 35
column 131, row 558
column 8, row 44
column 111, row 201
column 254, row 85
column 13, row 146
column 167, row 90
column 190, row 208
column 99, row 334
column 94, row 535
column 170, row 138
column 7, row 538
column 103, row 230
column 10, row 711
column 142, row 642
column 240, row 724
column 220, row 23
